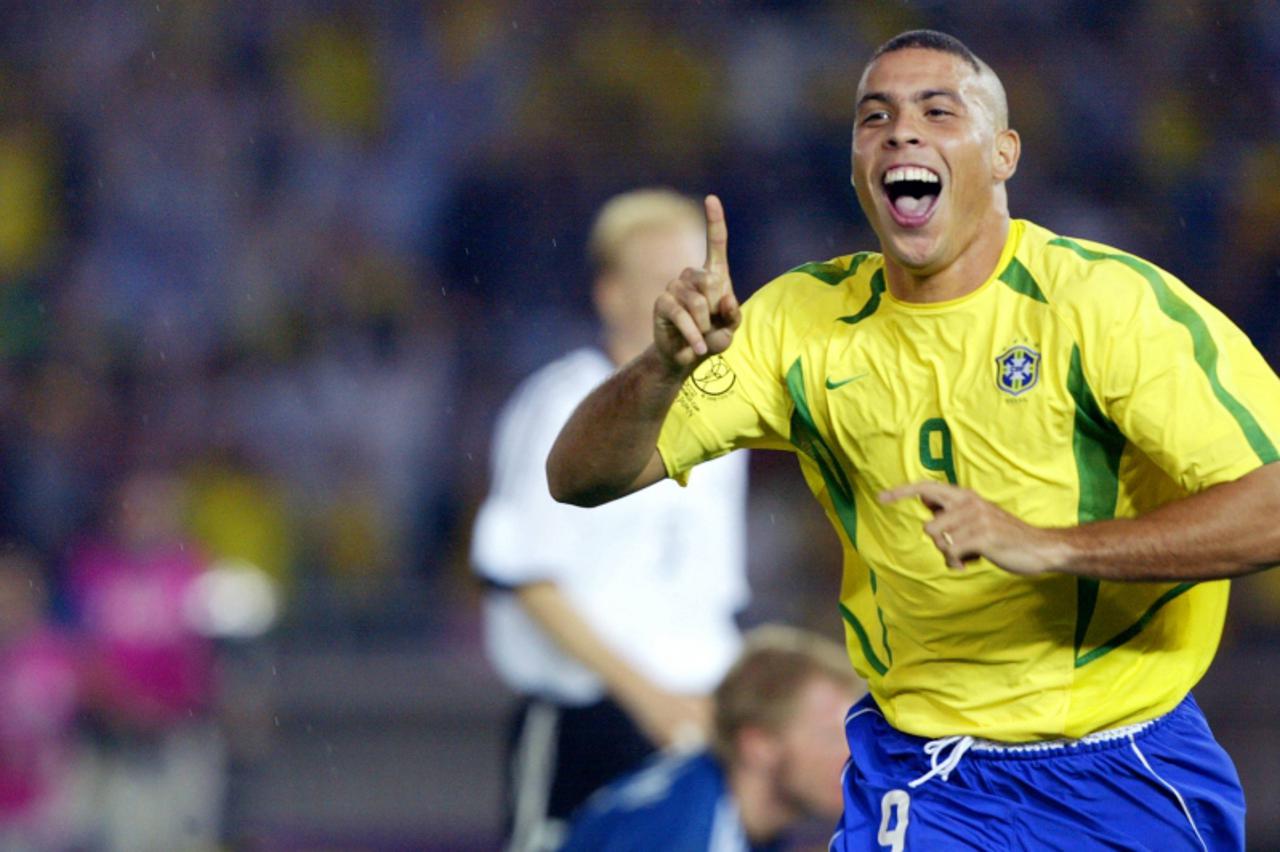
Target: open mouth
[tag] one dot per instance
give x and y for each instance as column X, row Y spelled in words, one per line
column 913, row 193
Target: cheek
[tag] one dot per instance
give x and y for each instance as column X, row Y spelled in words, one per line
column 966, row 184
column 972, row 166
column 858, row 164
column 814, row 771
column 864, row 196
column 859, row 180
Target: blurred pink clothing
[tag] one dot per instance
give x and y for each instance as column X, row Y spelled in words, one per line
column 150, row 666
column 39, row 694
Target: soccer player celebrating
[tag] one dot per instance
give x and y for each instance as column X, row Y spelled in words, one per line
column 1042, row 455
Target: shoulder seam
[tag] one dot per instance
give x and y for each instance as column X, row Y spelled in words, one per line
column 1205, row 347
column 830, row 272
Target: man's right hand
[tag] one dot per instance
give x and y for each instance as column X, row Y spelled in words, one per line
column 669, row 720
column 694, row 319
column 698, row 314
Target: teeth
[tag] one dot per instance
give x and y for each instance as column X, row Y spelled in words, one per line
column 900, row 173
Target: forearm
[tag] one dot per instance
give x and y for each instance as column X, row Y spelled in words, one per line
column 1224, row 531
column 549, row 607
column 607, row 449
column 666, row 718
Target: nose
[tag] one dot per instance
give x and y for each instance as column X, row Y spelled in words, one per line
column 902, row 134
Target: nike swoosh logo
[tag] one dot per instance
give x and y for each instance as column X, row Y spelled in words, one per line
column 833, row 385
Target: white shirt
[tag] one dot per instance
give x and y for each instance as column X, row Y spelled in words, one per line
column 658, row 574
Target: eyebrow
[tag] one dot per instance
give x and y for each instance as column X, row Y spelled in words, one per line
column 923, row 95
column 950, row 94
column 874, row 96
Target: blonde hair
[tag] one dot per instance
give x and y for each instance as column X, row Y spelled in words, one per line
column 762, row 687
column 639, row 210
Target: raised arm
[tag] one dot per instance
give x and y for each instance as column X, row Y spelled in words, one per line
column 608, row 449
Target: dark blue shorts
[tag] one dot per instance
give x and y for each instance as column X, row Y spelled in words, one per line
column 1166, row 785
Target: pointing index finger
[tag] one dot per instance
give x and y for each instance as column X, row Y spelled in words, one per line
column 928, row 490
column 717, row 237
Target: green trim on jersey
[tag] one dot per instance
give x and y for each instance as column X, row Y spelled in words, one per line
column 1086, row 599
column 832, row 273
column 1020, row 280
column 808, row 440
column 877, row 290
column 1097, row 444
column 863, row 640
column 1133, row 629
column 884, row 628
column 1206, row 350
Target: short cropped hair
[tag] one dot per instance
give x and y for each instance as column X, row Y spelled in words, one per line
column 945, row 43
column 930, row 40
column 761, row 688
column 632, row 212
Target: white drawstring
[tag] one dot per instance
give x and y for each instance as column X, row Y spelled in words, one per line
column 943, row 769
column 960, row 745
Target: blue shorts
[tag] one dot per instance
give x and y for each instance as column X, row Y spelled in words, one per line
column 1163, row 785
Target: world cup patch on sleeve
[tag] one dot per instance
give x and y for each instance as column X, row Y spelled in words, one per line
column 1017, row 369
column 714, row 376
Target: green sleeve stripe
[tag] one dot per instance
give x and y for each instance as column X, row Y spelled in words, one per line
column 832, row 273
column 806, row 438
column 1206, row 350
column 863, row 640
column 1133, row 629
column 877, row 290
column 1020, row 280
column 1097, row 444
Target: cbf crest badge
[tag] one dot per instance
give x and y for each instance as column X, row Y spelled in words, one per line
column 1017, row 369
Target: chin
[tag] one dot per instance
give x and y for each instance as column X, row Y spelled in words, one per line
column 918, row 255
column 915, row 251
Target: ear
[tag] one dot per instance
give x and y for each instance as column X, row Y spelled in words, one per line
column 606, row 294
column 1008, row 149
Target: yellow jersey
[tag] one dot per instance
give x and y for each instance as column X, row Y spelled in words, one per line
column 1078, row 383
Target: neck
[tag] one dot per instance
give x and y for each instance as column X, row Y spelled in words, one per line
column 764, row 814
column 968, row 271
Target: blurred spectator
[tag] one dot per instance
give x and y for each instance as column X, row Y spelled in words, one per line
column 28, row 202
column 239, row 515
column 778, row 752
column 613, row 624
column 40, row 694
column 158, row 760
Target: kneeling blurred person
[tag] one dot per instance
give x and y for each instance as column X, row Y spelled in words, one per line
column 776, row 759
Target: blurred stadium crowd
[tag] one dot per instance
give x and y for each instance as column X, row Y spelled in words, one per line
column 282, row 260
